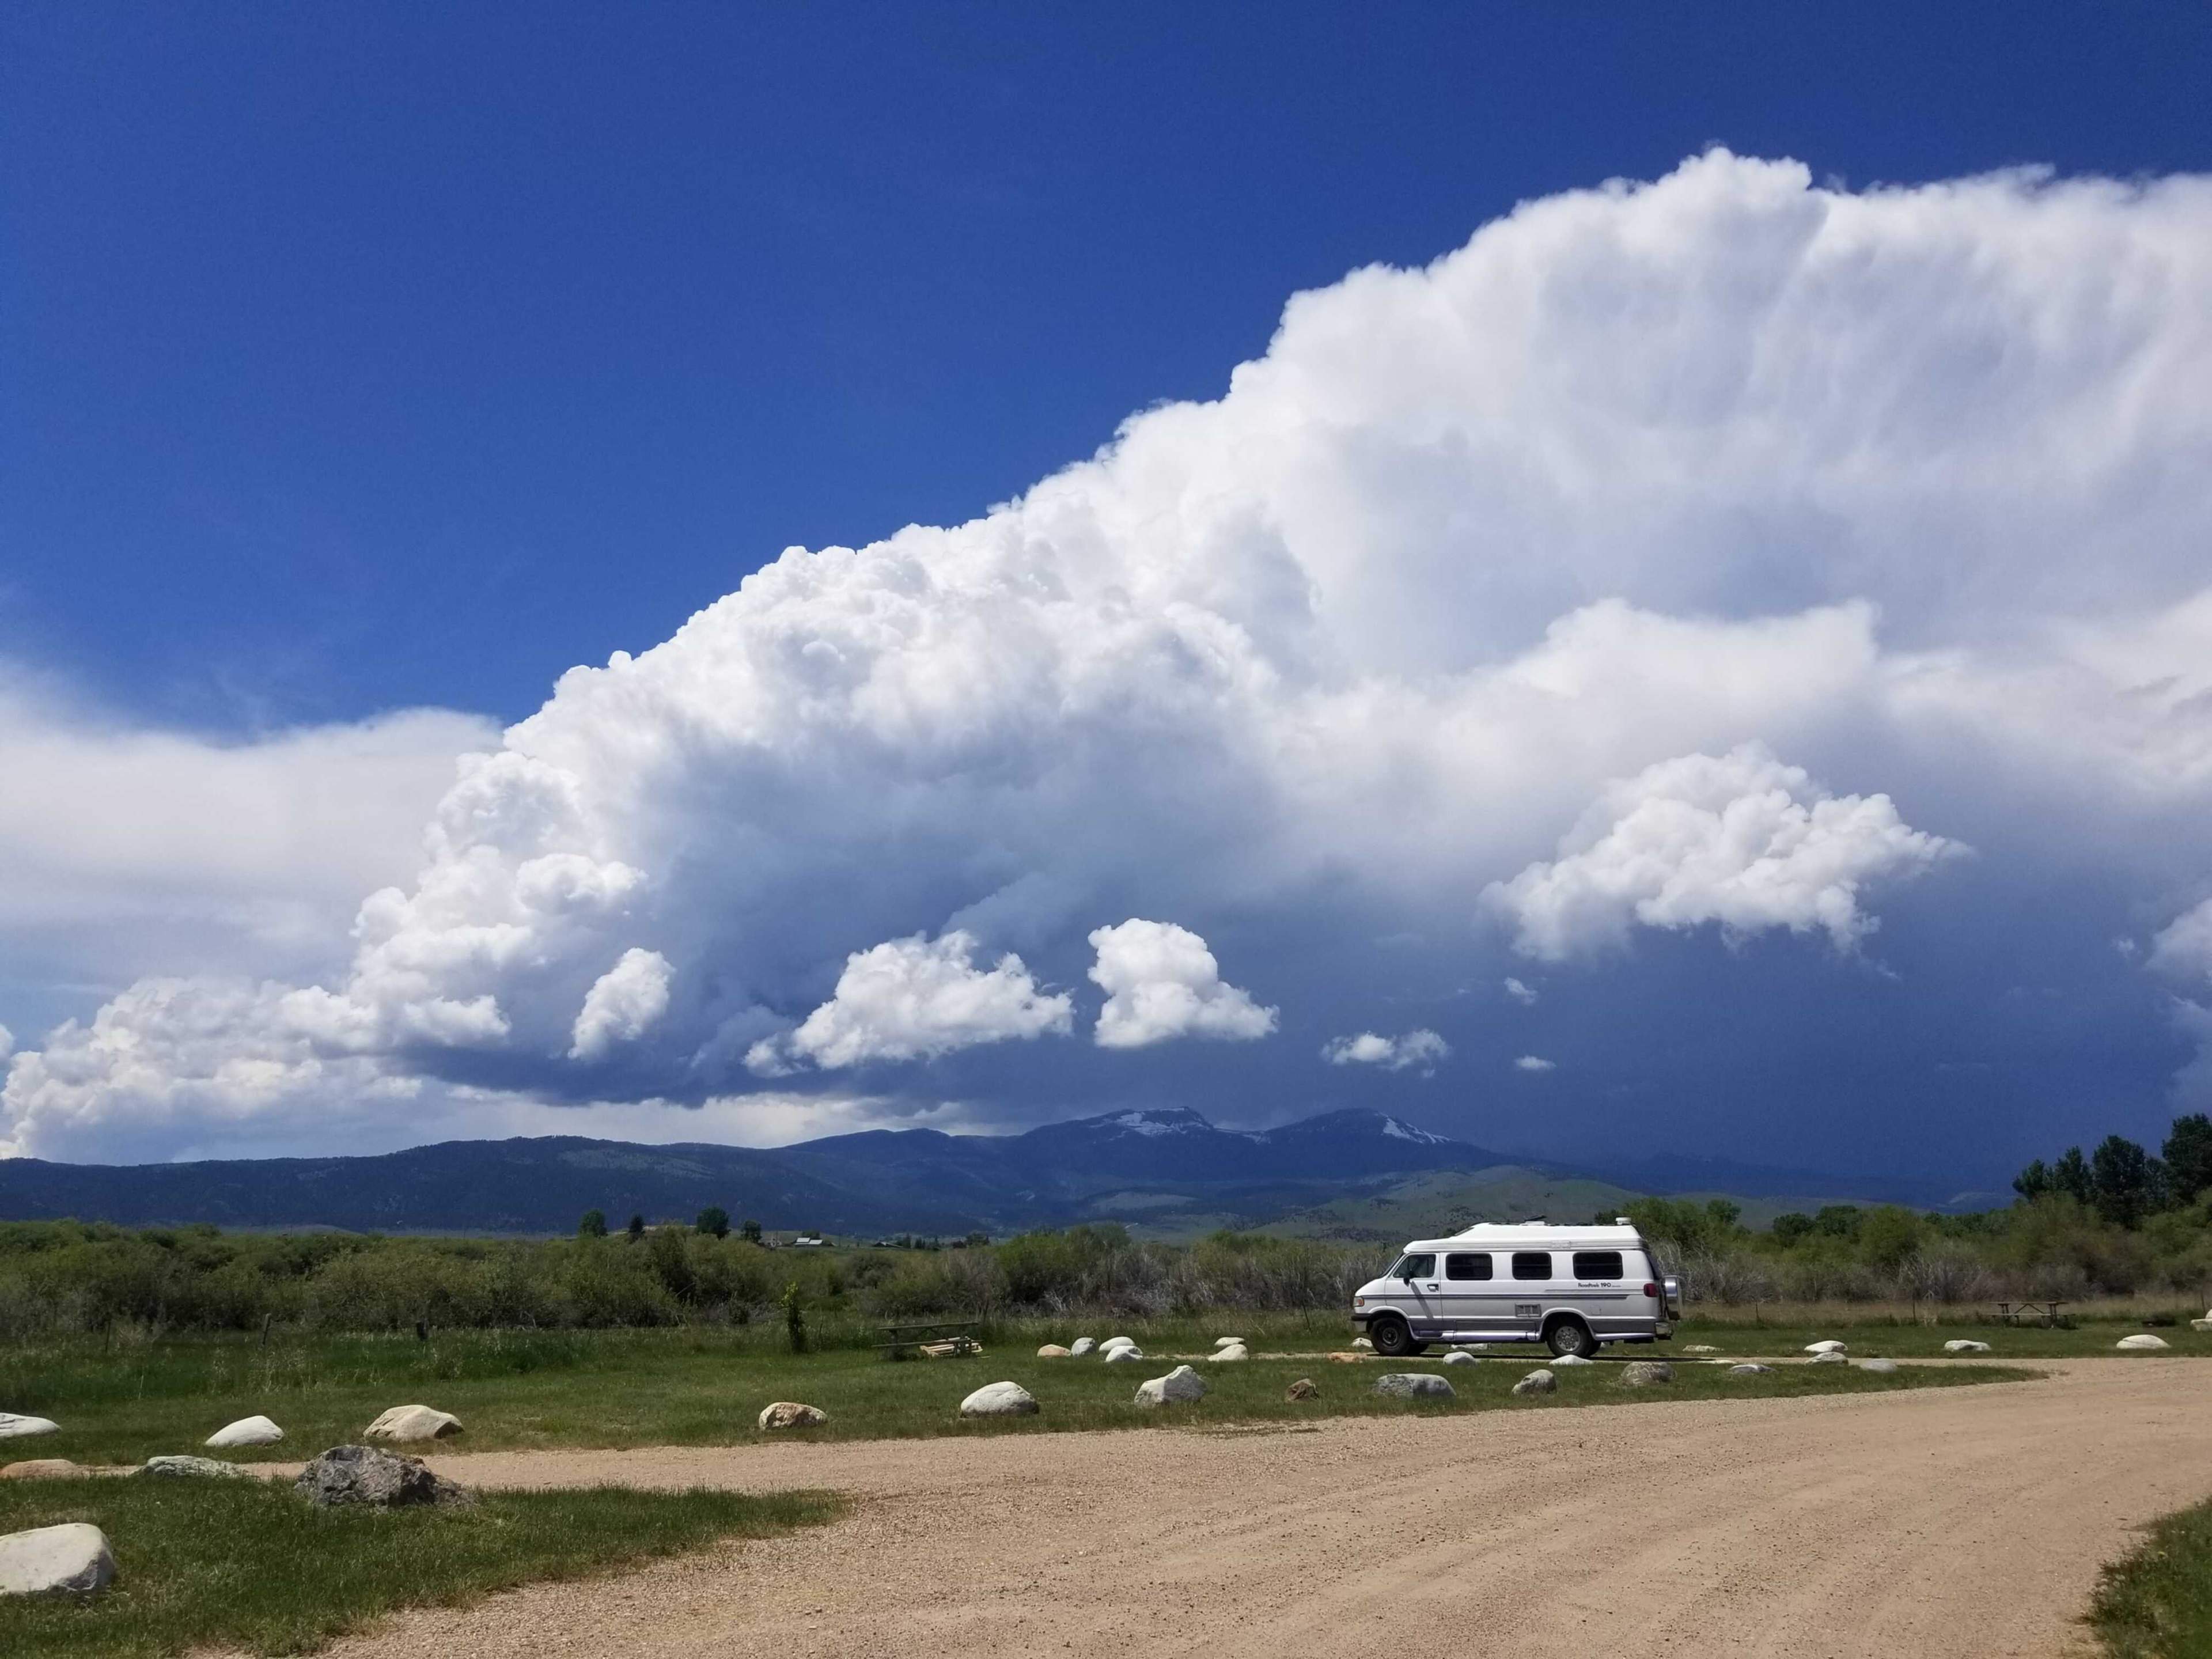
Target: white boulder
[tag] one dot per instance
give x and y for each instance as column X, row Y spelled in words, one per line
column 1832, row 1357
column 1749, row 1370
column 1235, row 1351
column 2140, row 1342
column 246, row 1432
column 1223, row 1341
column 1537, row 1382
column 2203, row 1324
column 1701, row 1348
column 1121, row 1356
column 13, row 1427
column 791, row 1414
column 1119, row 1342
column 1363, row 1345
column 1179, row 1385
column 193, row 1468
column 1052, row 1351
column 1000, row 1400
column 1573, row 1360
column 1460, row 1357
column 1414, row 1385
column 1081, row 1346
column 1644, row 1374
column 1829, row 1346
column 1964, row 1344
column 71, row 1559
column 413, row 1423
column 1880, row 1367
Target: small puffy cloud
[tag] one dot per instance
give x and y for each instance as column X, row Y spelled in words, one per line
column 623, row 1004
column 1160, row 982
column 1534, row 1063
column 7, row 1044
column 1740, row 839
column 2184, row 946
column 1420, row 1047
column 1524, row 994
column 913, row 998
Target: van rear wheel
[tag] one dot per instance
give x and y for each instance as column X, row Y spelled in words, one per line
column 1570, row 1336
column 1393, row 1338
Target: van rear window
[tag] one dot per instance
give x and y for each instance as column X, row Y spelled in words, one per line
column 1532, row 1264
column 1466, row 1266
column 1598, row 1264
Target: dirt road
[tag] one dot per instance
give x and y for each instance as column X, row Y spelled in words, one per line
column 1952, row 1521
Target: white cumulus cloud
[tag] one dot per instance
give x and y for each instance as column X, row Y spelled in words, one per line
column 623, row 1004
column 1738, row 839
column 1907, row 485
column 913, row 998
column 1523, row 994
column 1534, row 1063
column 1420, row 1047
column 1160, row 982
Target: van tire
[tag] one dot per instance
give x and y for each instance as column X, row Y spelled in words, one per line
column 1566, row 1336
column 1392, row 1337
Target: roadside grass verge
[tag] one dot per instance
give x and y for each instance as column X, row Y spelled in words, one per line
column 2157, row 1603
column 617, row 1390
column 251, row 1564
column 1903, row 1339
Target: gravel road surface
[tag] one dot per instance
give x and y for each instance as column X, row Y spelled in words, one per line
column 1955, row 1522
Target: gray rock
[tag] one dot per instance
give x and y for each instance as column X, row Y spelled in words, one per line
column 791, row 1414
column 1305, row 1388
column 1645, row 1373
column 380, row 1479
column 1832, row 1358
column 1537, row 1382
column 13, row 1427
column 1363, row 1344
column 412, row 1423
column 2140, row 1342
column 1701, row 1348
column 1180, row 1385
column 1081, row 1346
column 1460, row 1357
column 1000, row 1400
column 1128, row 1356
column 1414, row 1385
column 1573, row 1359
column 1878, row 1367
column 71, row 1559
column 1964, row 1344
column 246, row 1432
column 193, row 1468
column 1749, row 1370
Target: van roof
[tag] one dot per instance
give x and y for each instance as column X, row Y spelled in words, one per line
column 1504, row 1235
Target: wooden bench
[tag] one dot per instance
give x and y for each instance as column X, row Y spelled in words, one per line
column 952, row 1336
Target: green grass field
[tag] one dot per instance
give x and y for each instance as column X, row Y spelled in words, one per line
column 2157, row 1603
column 236, row 1563
column 521, row 1389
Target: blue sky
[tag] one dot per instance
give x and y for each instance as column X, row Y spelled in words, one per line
column 366, row 360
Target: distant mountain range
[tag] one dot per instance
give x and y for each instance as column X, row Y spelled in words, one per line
column 1166, row 1169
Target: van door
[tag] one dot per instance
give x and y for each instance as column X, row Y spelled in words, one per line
column 1528, row 1291
column 1424, row 1299
column 1467, row 1284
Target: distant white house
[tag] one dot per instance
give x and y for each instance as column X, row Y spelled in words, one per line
column 809, row 1241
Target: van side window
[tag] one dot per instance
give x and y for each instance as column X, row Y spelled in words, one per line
column 1598, row 1264
column 1415, row 1266
column 1466, row 1266
column 1532, row 1264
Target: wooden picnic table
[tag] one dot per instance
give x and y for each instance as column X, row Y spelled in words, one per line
column 2012, row 1312
column 897, row 1340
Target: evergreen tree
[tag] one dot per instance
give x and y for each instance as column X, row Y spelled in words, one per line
column 593, row 1225
column 636, row 1228
column 2188, row 1153
column 2126, row 1182
column 751, row 1232
column 2071, row 1175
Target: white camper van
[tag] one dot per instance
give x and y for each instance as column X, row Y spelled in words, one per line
column 1571, row 1288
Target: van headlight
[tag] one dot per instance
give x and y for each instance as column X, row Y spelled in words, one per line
column 1358, row 1301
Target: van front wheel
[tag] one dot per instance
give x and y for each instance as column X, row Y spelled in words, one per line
column 1570, row 1336
column 1393, row 1338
